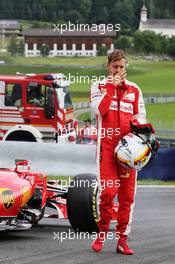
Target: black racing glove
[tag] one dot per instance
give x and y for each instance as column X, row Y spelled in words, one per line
column 142, row 128
column 148, row 131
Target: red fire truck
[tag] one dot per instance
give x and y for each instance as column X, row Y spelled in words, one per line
column 36, row 107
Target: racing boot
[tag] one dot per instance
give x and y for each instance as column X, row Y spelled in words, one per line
column 98, row 243
column 122, row 246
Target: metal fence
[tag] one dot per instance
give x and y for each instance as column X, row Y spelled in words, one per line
column 163, row 128
column 158, row 99
column 166, row 142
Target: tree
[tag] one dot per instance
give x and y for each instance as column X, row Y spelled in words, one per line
column 151, row 42
column 138, row 41
column 105, row 14
column 164, row 41
column 148, row 42
column 123, row 13
column 123, row 42
column 99, row 12
column 171, row 47
column 74, row 16
column 157, row 12
column 102, row 51
column 29, row 13
column 4, row 10
column 21, row 47
column 12, row 47
column 151, row 9
column 44, row 49
column 167, row 14
column 16, row 47
column 84, row 8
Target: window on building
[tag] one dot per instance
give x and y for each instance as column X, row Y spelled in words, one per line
column 89, row 46
column 30, row 46
column 78, row 46
column 13, row 94
column 69, row 46
column 59, row 46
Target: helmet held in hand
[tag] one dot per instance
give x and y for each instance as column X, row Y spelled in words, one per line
column 133, row 151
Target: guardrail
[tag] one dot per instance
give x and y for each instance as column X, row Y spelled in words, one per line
column 166, row 142
column 165, row 133
column 159, row 100
column 147, row 100
column 81, row 105
column 69, row 160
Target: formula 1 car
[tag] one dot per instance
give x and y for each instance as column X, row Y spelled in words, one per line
column 24, row 196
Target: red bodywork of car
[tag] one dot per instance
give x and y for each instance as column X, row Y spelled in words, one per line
column 18, row 186
column 15, row 192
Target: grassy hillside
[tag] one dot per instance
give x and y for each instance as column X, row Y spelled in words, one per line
column 162, row 115
column 152, row 77
column 87, row 61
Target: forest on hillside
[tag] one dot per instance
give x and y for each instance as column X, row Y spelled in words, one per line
column 125, row 12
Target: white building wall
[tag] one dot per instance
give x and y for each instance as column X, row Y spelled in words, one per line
column 65, row 52
column 26, row 50
column 169, row 31
column 94, row 49
column 31, row 52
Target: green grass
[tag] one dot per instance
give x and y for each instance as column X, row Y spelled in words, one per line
column 152, row 77
column 162, row 115
column 84, row 116
column 86, row 61
column 156, row 77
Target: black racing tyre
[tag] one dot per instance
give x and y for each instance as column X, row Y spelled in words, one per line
column 21, row 135
column 82, row 203
column 36, row 200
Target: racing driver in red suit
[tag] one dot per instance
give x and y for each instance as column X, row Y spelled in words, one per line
column 117, row 103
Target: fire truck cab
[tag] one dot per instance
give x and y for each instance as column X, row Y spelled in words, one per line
column 36, row 107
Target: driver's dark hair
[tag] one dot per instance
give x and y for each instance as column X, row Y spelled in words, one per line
column 115, row 55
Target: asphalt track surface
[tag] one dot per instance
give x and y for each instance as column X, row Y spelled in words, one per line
column 153, row 237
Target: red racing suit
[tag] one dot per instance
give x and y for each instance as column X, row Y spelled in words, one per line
column 115, row 108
